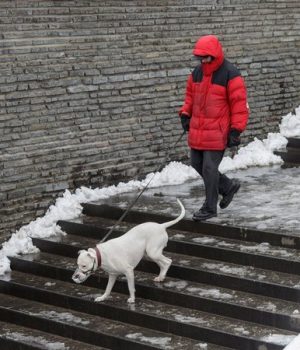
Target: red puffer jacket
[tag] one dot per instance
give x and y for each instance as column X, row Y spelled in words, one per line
column 216, row 98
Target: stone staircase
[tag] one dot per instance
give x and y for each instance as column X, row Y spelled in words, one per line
column 291, row 156
column 227, row 288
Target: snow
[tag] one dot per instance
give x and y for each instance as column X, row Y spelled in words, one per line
column 256, row 153
column 178, row 284
column 189, row 319
column 228, row 269
column 279, row 339
column 204, row 240
column 202, row 346
column 241, row 330
column 294, row 344
column 210, row 293
column 290, row 124
column 161, row 341
column 39, row 341
column 268, row 306
column 61, row 317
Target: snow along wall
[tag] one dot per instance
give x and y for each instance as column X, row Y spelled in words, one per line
column 90, row 89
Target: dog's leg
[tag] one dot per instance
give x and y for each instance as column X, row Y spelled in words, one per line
column 154, row 251
column 163, row 262
column 110, row 284
column 130, row 280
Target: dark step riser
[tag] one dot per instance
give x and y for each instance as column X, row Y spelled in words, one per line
column 268, row 263
column 89, row 231
column 8, row 344
column 287, row 165
column 290, row 157
column 238, row 233
column 293, row 150
column 161, row 295
column 294, row 142
column 134, row 318
column 69, row 331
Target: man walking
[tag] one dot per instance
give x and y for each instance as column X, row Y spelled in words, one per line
column 215, row 113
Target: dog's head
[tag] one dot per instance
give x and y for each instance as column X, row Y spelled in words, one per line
column 86, row 265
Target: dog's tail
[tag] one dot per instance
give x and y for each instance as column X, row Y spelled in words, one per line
column 181, row 216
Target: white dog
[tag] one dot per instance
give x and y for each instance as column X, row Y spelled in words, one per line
column 121, row 255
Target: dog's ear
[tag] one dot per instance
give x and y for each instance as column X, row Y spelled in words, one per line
column 92, row 253
column 81, row 251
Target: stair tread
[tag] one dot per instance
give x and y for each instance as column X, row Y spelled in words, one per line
column 98, row 324
column 226, row 285
column 174, row 313
column 41, row 340
column 263, row 249
column 205, row 228
column 216, row 266
column 200, row 291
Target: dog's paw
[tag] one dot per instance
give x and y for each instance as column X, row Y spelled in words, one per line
column 158, row 279
column 99, row 299
column 131, row 300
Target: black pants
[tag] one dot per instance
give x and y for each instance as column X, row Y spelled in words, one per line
column 206, row 163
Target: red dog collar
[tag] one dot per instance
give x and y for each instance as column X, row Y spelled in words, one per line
column 98, row 255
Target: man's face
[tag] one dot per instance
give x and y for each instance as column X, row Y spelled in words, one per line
column 204, row 59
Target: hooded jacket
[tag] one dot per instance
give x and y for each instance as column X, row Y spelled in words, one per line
column 216, row 98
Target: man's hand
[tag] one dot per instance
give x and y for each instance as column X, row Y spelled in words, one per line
column 233, row 138
column 185, row 122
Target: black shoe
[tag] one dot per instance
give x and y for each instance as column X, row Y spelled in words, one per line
column 202, row 215
column 227, row 198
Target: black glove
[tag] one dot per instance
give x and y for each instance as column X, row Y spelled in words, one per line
column 233, row 138
column 185, row 122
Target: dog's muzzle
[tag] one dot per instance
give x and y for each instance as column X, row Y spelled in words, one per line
column 80, row 276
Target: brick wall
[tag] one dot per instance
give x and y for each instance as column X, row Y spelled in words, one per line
column 89, row 90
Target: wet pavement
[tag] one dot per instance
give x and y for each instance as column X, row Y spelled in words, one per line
column 268, row 200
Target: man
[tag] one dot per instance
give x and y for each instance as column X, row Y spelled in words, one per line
column 215, row 113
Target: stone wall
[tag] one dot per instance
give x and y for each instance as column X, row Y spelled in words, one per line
column 89, row 90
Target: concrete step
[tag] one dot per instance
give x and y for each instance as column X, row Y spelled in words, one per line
column 263, row 255
column 227, row 288
column 291, row 155
column 234, row 276
column 92, row 329
column 87, row 325
column 173, row 320
column 15, row 337
column 174, row 291
column 294, row 142
column 93, row 211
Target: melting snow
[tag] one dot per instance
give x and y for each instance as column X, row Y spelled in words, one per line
column 160, row 341
column 279, row 339
column 178, row 284
column 39, row 341
column 210, row 293
column 61, row 316
column 189, row 319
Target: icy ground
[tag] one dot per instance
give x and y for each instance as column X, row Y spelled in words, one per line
column 267, row 200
